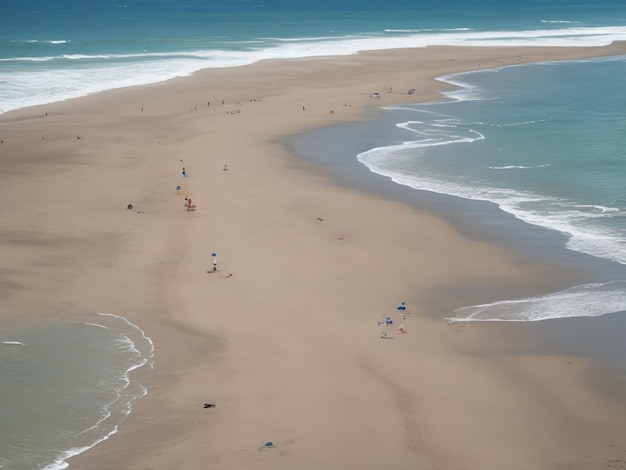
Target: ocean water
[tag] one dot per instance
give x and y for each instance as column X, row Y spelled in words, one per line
column 544, row 142
column 66, row 386
column 51, row 51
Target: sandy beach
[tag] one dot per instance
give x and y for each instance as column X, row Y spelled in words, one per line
column 284, row 337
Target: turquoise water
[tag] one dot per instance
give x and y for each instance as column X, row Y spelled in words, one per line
column 66, row 385
column 51, row 51
column 544, row 142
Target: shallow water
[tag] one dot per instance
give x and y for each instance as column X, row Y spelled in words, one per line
column 543, row 146
column 532, row 156
column 66, row 385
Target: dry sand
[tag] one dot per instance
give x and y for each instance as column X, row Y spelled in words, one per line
column 288, row 347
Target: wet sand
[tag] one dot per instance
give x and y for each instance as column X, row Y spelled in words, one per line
column 289, row 346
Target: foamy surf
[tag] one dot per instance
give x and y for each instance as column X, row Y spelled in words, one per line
column 587, row 300
column 80, row 373
column 70, row 69
column 495, row 140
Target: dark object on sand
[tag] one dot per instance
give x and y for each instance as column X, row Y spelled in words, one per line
column 209, row 405
column 130, row 206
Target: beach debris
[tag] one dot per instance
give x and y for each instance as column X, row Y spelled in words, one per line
column 209, row 405
column 129, row 206
column 267, row 445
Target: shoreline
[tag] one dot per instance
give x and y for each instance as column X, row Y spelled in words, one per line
column 288, row 347
column 334, row 149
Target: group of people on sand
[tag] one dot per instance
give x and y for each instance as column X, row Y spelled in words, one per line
column 387, row 321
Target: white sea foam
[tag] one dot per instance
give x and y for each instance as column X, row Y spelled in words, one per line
column 150, row 345
column 577, row 221
column 97, row 325
column 556, row 214
column 589, row 300
column 515, row 124
column 22, row 87
column 426, row 30
column 518, row 167
column 13, row 343
column 560, row 22
column 120, row 406
column 42, row 41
